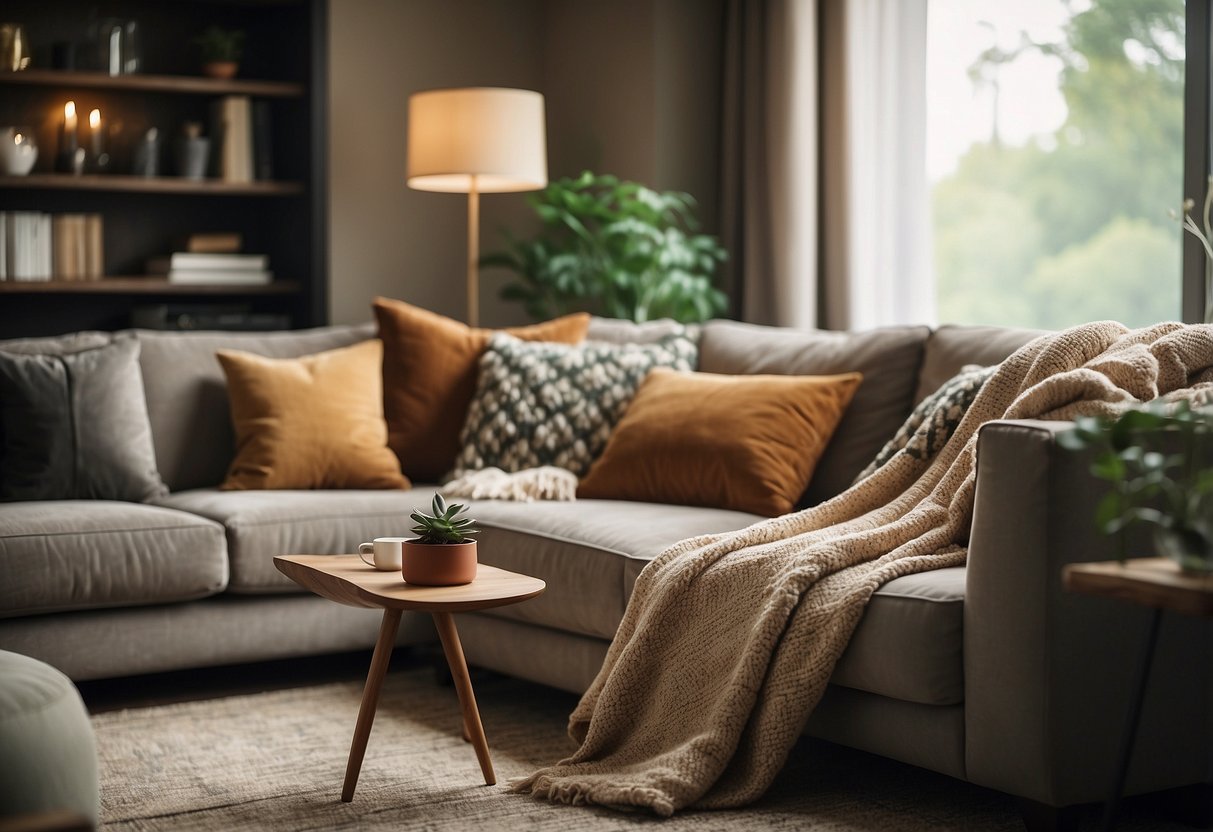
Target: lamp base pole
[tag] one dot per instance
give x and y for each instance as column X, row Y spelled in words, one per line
column 474, row 253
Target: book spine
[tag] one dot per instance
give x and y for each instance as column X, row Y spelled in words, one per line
column 61, row 244
column 244, row 139
column 235, row 262
column 94, row 246
column 227, row 277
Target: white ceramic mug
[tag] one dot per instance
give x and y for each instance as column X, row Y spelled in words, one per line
column 384, row 552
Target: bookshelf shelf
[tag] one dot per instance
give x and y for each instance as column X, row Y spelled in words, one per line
column 151, row 185
column 140, row 286
column 152, row 83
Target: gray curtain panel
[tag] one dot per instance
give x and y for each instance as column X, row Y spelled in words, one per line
column 769, row 167
column 75, row 426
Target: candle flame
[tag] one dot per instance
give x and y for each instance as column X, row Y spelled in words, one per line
column 69, row 109
column 18, row 139
column 94, row 119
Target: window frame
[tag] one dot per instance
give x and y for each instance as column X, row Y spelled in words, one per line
column 1197, row 133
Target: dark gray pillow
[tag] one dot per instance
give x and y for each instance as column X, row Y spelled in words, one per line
column 75, row 426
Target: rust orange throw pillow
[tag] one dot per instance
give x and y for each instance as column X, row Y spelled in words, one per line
column 429, row 378
column 311, row 422
column 748, row 443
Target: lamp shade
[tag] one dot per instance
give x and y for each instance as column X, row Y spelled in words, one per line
column 495, row 135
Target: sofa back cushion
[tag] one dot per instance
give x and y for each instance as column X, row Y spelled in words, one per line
column 951, row 347
column 187, row 397
column 73, row 342
column 887, row 358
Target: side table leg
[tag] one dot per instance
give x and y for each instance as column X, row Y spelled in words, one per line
column 463, row 686
column 370, row 700
column 1134, row 717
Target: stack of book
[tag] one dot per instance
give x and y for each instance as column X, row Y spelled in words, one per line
column 212, row 269
column 241, row 132
column 38, row 247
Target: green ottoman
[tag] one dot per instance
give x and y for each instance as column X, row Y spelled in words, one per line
column 47, row 751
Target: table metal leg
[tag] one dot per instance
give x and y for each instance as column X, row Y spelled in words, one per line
column 445, row 624
column 1130, row 731
column 370, row 700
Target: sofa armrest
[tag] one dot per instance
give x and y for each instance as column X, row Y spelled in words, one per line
column 1048, row 673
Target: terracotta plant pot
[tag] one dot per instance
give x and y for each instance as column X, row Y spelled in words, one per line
column 225, row 70
column 438, row 564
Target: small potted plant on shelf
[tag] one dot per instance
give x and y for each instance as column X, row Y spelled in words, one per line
column 1157, row 461
column 444, row 552
column 221, row 51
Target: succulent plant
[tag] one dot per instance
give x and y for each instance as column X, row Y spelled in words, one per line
column 444, row 525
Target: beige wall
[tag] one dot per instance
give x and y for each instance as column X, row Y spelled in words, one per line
column 631, row 89
column 384, row 238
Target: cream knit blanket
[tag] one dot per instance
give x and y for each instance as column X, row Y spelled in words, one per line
column 728, row 640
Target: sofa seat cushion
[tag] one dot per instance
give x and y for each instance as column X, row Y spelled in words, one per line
column 84, row 554
column 262, row 524
column 908, row 645
column 589, row 552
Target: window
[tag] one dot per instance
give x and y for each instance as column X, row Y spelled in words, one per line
column 1055, row 142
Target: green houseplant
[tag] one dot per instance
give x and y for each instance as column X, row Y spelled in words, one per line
column 1154, row 459
column 615, row 248
column 221, row 51
column 444, row 551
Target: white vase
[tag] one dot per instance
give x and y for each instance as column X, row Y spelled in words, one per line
column 18, row 151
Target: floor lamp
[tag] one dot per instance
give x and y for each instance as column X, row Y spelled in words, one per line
column 476, row 140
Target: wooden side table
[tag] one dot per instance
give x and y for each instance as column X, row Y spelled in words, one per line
column 1157, row 583
column 347, row 580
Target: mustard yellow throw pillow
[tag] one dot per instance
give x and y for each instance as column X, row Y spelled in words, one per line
column 429, row 378
column 311, row 422
column 748, row 443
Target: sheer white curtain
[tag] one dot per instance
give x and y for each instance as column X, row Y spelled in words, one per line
column 876, row 268
column 824, row 191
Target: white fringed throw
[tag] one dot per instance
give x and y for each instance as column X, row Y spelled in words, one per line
column 528, row 485
column 729, row 640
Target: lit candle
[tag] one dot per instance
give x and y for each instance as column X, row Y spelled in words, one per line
column 68, row 142
column 94, row 126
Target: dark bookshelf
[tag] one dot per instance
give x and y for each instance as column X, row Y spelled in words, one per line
column 284, row 65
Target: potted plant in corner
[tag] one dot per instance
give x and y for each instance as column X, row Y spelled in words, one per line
column 1157, row 461
column 615, row 248
column 221, row 51
column 444, row 552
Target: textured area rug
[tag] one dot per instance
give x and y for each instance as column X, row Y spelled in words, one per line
column 276, row 761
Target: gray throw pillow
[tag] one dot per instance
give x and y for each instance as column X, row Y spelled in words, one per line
column 935, row 419
column 75, row 426
column 539, row 404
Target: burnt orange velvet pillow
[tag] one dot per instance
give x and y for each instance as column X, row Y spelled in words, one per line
column 429, row 378
column 748, row 443
column 311, row 422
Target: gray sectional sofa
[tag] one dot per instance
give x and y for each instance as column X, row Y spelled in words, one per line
column 989, row 673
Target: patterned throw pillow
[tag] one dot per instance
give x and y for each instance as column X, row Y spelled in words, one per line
column 554, row 404
column 935, row 419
